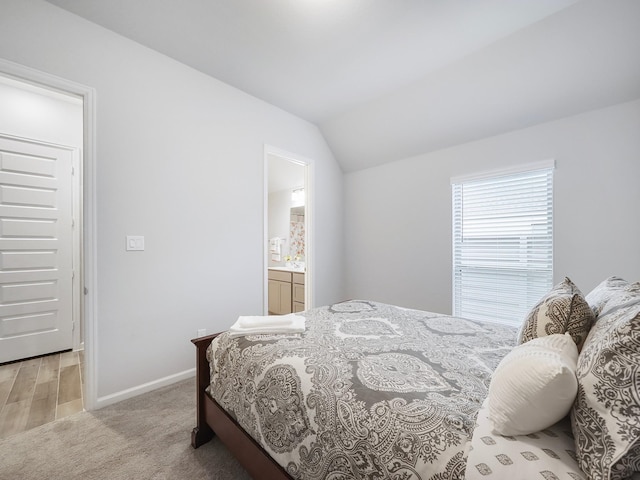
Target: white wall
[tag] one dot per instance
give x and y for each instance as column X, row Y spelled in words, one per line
column 179, row 160
column 280, row 221
column 398, row 216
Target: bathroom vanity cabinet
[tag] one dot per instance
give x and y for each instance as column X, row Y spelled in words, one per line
column 298, row 292
column 286, row 291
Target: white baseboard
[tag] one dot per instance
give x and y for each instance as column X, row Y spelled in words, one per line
column 144, row 388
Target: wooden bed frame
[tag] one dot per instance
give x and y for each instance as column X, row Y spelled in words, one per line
column 212, row 420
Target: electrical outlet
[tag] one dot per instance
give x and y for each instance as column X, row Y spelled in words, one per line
column 202, row 332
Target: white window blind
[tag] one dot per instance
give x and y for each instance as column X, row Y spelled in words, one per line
column 502, row 244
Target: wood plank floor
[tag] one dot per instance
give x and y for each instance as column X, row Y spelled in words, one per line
column 40, row 390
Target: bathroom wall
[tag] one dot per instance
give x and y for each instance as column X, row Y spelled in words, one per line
column 286, row 225
column 279, row 206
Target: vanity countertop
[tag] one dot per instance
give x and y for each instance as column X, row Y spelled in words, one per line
column 288, row 269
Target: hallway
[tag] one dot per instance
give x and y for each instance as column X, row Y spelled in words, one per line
column 40, row 390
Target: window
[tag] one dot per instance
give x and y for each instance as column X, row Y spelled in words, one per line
column 502, row 243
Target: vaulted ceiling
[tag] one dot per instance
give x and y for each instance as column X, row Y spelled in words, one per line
column 389, row 79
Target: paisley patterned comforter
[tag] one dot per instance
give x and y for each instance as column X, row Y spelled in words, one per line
column 369, row 391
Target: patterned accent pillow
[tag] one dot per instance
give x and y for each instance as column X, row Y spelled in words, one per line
column 606, row 415
column 549, row 454
column 597, row 297
column 562, row 310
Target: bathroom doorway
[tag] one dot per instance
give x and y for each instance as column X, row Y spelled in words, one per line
column 287, row 233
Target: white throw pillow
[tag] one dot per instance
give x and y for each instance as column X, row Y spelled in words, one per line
column 534, row 386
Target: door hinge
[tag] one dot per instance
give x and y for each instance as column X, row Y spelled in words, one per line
column 86, row 291
column 73, row 274
column 73, row 170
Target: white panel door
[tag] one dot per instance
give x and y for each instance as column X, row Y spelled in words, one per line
column 36, row 249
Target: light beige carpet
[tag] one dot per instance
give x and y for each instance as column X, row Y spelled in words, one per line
column 147, row 437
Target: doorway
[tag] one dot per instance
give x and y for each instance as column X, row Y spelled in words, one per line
column 40, row 145
column 42, row 169
column 288, row 253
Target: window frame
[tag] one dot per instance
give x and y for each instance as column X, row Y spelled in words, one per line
column 507, row 243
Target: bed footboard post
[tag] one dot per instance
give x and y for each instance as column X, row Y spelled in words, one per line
column 202, row 433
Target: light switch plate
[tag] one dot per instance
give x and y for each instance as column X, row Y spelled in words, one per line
column 135, row 242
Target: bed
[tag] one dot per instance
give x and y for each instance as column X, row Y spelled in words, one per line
column 369, row 390
column 375, row 391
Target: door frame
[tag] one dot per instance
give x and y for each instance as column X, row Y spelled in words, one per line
column 308, row 225
column 87, row 219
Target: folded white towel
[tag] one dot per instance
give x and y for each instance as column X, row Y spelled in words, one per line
column 245, row 321
column 285, row 324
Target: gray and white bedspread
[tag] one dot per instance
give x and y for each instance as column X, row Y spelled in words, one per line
column 369, row 391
